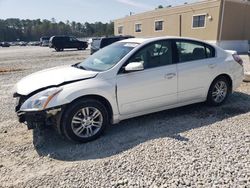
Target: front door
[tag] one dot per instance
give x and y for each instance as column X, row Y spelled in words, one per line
column 152, row 88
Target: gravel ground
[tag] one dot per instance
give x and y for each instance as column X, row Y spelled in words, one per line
column 192, row 146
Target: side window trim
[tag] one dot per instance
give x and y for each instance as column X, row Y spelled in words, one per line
column 174, row 60
column 175, row 54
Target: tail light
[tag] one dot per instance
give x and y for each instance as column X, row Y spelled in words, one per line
column 238, row 59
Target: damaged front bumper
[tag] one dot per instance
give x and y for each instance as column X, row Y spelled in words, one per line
column 34, row 119
column 40, row 118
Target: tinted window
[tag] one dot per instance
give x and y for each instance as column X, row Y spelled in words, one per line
column 154, row 55
column 210, row 52
column 191, row 51
column 96, row 43
column 120, row 29
column 138, row 27
column 199, row 21
column 108, row 41
column 72, row 39
column 158, row 25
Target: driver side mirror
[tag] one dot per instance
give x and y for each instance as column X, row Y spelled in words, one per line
column 134, row 66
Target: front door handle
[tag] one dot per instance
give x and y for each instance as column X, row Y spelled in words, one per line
column 170, row 75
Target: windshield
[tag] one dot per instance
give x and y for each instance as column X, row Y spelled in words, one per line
column 107, row 57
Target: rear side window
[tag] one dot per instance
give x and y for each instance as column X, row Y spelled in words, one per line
column 210, row 51
column 191, row 51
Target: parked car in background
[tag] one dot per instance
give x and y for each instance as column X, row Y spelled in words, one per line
column 22, row 43
column 98, row 43
column 33, row 43
column 5, row 44
column 44, row 41
column 14, row 43
column 59, row 43
column 129, row 78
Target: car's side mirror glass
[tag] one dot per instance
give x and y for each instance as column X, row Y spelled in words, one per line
column 134, row 66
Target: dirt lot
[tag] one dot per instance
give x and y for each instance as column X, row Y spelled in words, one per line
column 193, row 146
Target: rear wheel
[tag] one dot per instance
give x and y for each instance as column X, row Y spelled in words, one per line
column 218, row 92
column 85, row 121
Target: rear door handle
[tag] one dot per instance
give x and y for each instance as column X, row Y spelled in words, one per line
column 211, row 66
column 170, row 75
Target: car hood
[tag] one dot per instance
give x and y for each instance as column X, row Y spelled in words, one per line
column 51, row 77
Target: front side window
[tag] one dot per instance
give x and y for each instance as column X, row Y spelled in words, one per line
column 154, row 55
column 159, row 26
column 199, row 21
column 107, row 57
column 138, row 28
column 120, row 30
column 191, row 51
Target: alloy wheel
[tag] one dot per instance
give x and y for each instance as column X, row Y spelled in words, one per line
column 87, row 122
column 219, row 92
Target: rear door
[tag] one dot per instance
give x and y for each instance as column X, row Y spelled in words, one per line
column 196, row 64
column 152, row 88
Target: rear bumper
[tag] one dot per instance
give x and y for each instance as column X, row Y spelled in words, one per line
column 238, row 79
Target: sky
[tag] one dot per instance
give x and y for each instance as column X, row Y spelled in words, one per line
column 79, row 10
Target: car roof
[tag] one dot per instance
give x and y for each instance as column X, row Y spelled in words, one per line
column 113, row 37
column 152, row 39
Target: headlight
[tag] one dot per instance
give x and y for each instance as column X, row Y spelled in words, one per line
column 40, row 101
column 17, row 100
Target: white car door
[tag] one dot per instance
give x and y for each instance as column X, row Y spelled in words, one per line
column 195, row 70
column 151, row 88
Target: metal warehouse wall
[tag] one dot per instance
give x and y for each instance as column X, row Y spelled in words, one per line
column 236, row 20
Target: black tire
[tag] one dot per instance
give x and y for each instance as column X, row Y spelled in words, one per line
column 211, row 99
column 57, row 49
column 73, row 110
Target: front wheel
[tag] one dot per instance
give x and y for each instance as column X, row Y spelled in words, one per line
column 218, row 92
column 85, row 120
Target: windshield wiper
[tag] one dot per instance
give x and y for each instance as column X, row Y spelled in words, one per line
column 79, row 66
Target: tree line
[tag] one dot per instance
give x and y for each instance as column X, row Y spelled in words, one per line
column 14, row 29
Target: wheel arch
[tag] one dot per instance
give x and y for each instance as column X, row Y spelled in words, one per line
column 229, row 79
column 99, row 98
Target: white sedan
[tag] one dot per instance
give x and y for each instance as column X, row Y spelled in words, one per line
column 129, row 78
